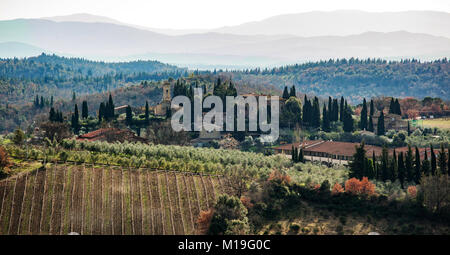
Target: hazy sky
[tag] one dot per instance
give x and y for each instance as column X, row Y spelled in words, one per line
column 182, row 14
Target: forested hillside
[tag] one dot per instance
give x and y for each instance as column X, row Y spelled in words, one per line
column 356, row 79
column 22, row 79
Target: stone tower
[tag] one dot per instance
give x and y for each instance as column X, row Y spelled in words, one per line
column 166, row 92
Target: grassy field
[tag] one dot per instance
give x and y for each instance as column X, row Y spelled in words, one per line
column 439, row 123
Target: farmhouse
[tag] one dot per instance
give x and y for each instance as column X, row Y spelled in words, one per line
column 340, row 150
column 111, row 135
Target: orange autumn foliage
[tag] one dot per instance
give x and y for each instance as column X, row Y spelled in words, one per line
column 357, row 187
column 337, row 188
column 246, row 202
column 367, row 188
column 412, row 191
column 4, row 158
column 279, row 177
column 204, row 220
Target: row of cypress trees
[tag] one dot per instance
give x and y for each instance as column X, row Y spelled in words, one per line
column 405, row 167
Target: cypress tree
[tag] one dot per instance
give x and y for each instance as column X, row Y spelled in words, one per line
column 358, row 165
column 385, row 173
column 433, row 161
column 293, row 154
column 51, row 101
column 370, row 126
column 372, row 108
column 330, row 109
column 442, row 160
column 426, row 164
column 375, row 166
column 392, row 106
column 335, row 110
column 325, row 119
column 75, row 120
column 409, row 165
column 41, row 104
column 52, row 115
column 394, row 167
column 111, row 108
column 401, row 169
column 301, row 156
column 101, row 111
column 286, row 93
column 316, row 113
column 363, row 122
column 448, row 160
column 129, row 116
column 341, row 110
column 348, row 120
column 409, row 129
column 84, row 110
column 147, row 112
column 296, row 155
column 397, row 107
column 292, row 92
column 417, row 167
column 380, row 124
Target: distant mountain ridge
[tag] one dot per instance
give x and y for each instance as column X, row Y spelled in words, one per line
column 101, row 38
column 346, row 22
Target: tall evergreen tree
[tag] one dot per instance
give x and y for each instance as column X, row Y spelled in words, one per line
column 301, row 156
column 292, row 93
column 75, row 120
column 335, row 110
column 409, row 129
column 101, row 112
column 358, row 165
column 375, row 166
column 341, row 110
column 409, row 165
column 129, row 116
column 426, row 168
column 372, row 108
column 363, row 122
column 370, row 126
column 394, row 167
column 74, row 96
column 316, row 113
column 52, row 115
column 442, row 158
column 433, row 161
column 392, row 106
column 348, row 120
column 147, row 113
column 51, row 101
column 325, row 119
column 286, row 93
column 330, row 109
column 380, row 124
column 111, row 108
column 397, row 107
column 385, row 171
column 401, row 169
column 84, row 110
column 417, row 167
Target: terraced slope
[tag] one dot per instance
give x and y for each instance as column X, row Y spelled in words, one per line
column 104, row 201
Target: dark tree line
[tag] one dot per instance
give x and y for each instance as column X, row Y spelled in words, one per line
column 404, row 167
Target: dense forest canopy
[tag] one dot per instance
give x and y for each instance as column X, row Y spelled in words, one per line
column 22, row 79
column 356, row 78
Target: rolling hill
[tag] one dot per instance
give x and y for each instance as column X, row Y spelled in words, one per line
column 117, row 42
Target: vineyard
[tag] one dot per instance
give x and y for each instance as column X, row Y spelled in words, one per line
column 105, row 201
